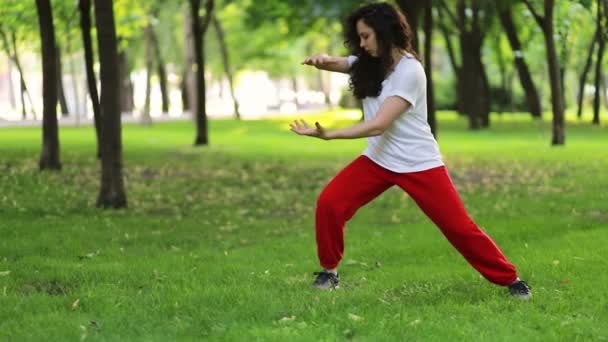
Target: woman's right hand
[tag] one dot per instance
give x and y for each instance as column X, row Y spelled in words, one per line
column 320, row 61
column 324, row 61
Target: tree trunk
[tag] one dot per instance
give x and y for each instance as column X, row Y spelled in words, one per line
column 49, row 158
column 602, row 28
column 583, row 78
column 127, row 103
column 553, row 64
column 85, row 27
column 198, row 29
column 502, row 69
column 146, row 119
column 14, row 57
column 184, row 89
column 11, row 90
column 460, row 91
column 474, row 80
column 486, row 96
column 112, row 193
column 60, row 89
column 294, row 86
column 532, row 98
column 321, row 84
column 76, row 87
column 187, row 83
column 557, row 100
column 226, row 61
column 24, row 89
column 428, row 48
column 160, row 69
column 74, row 78
column 605, row 90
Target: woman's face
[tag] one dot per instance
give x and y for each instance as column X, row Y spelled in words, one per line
column 367, row 38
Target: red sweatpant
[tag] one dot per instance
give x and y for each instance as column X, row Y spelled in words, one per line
column 433, row 190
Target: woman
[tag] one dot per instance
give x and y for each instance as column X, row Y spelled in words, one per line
column 386, row 74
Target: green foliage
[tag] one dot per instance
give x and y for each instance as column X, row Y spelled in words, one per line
column 21, row 18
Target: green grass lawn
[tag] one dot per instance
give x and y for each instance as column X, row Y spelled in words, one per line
column 218, row 242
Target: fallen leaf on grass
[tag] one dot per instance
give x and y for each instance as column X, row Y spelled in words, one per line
column 287, row 319
column 415, row 322
column 355, row 317
column 75, row 304
column 4, row 273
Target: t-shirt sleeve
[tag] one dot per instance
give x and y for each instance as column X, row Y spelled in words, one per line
column 351, row 60
column 408, row 83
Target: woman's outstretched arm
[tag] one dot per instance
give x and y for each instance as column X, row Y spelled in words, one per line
column 390, row 110
column 330, row 63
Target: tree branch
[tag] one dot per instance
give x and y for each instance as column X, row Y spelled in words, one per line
column 449, row 13
column 540, row 20
column 208, row 14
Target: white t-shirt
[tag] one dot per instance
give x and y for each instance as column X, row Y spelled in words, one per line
column 408, row 144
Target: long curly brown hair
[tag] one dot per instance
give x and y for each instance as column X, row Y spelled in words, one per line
column 392, row 30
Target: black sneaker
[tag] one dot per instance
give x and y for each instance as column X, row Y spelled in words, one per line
column 327, row 280
column 520, row 289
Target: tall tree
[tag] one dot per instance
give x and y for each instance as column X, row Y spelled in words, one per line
column 160, row 67
column 545, row 22
column 10, row 46
column 602, row 29
column 583, row 78
column 146, row 119
column 49, row 158
column 60, row 89
column 199, row 27
column 471, row 22
column 428, row 48
column 413, row 11
column 532, row 98
column 84, row 7
column 217, row 25
column 112, row 193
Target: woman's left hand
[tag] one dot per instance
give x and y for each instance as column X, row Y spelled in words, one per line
column 301, row 127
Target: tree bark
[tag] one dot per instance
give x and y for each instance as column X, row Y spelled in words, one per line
column 161, row 71
column 553, row 64
column 60, row 89
column 24, row 89
column 184, row 89
column 146, row 119
column 11, row 90
column 49, row 159
column 199, row 27
column 428, row 67
column 127, row 103
column 85, row 27
column 226, row 61
column 474, row 79
column 532, row 98
column 14, row 57
column 74, row 81
column 602, row 28
column 76, row 90
column 112, row 193
column 458, row 69
column 294, row 85
column 583, row 78
column 605, row 90
column 187, row 82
